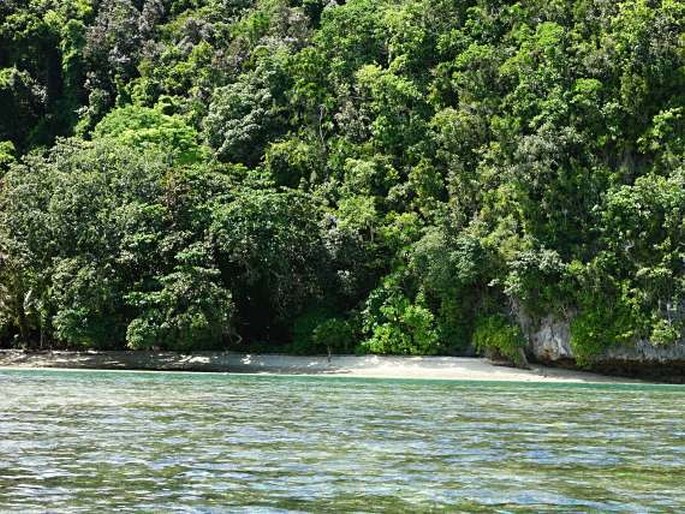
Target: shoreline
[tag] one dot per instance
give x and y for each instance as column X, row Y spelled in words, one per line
column 366, row 366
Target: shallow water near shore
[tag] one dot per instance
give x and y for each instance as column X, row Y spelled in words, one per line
column 147, row 442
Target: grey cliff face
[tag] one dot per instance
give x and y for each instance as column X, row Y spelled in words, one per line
column 549, row 341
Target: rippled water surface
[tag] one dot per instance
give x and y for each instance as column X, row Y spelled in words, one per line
column 161, row 442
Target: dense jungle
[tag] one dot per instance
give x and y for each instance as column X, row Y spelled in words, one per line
column 371, row 176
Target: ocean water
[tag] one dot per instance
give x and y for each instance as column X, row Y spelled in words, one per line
column 86, row 441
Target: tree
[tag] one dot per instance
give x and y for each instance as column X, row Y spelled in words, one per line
column 271, row 253
column 95, row 237
column 142, row 128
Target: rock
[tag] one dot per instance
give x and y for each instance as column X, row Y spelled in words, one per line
column 549, row 341
column 645, row 351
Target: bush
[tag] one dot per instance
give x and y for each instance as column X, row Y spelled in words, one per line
column 303, row 329
column 397, row 326
column 335, row 334
column 498, row 338
column 316, row 332
column 665, row 332
column 598, row 327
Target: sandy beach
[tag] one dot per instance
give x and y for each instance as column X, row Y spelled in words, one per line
column 372, row 366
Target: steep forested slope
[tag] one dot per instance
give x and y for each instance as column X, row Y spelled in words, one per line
column 402, row 176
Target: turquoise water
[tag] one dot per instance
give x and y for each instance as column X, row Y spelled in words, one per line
column 162, row 442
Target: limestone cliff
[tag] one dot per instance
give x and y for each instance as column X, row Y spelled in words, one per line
column 549, row 341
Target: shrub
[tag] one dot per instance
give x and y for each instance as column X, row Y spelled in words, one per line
column 303, row 329
column 602, row 322
column 335, row 334
column 665, row 332
column 498, row 338
column 397, row 326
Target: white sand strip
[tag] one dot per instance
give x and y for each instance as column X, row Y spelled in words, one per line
column 443, row 368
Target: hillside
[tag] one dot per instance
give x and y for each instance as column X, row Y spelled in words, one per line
column 402, row 177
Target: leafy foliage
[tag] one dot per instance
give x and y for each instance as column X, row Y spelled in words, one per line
column 499, row 338
column 191, row 174
column 142, row 127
